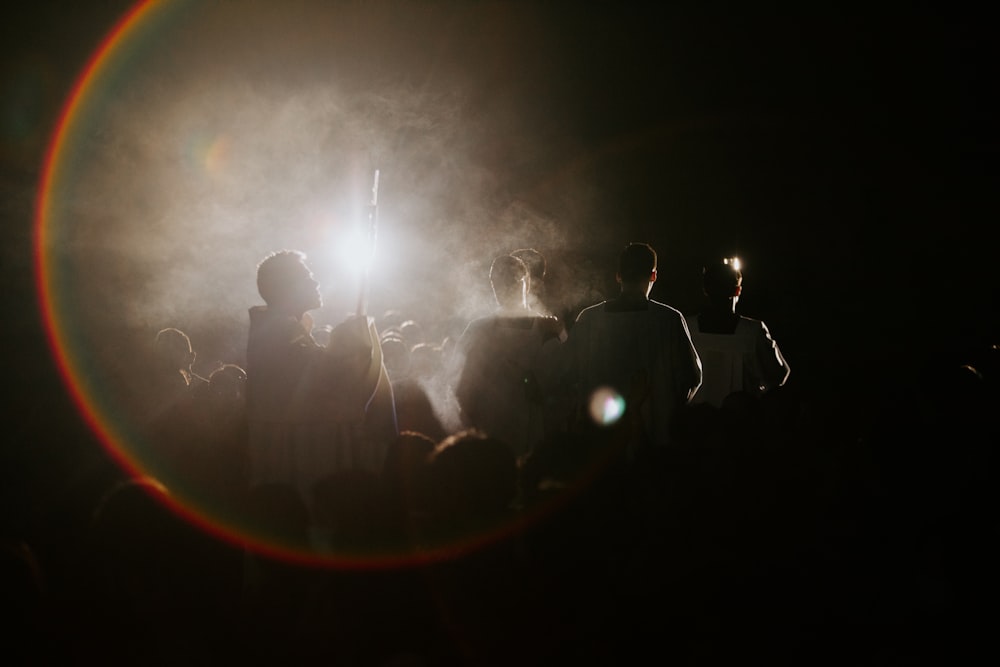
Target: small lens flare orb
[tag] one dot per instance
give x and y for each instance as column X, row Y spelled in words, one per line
column 606, row 406
column 733, row 262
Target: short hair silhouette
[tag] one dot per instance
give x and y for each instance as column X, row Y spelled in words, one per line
column 279, row 273
column 636, row 262
column 228, row 381
column 173, row 348
column 473, row 475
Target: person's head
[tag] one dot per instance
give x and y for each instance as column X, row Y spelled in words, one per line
column 395, row 356
column 391, row 319
column 535, row 262
column 509, row 278
column 286, row 283
column 637, row 267
column 173, row 350
column 412, row 332
column 227, row 387
column 723, row 280
column 471, row 475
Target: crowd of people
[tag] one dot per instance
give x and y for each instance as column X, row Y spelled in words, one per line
column 632, row 483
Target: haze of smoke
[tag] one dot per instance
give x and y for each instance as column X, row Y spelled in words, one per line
column 184, row 182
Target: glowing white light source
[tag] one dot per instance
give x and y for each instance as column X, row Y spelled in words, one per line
column 733, row 261
column 606, row 406
column 354, row 251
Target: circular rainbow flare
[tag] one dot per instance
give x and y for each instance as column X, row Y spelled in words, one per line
column 49, row 210
column 68, row 322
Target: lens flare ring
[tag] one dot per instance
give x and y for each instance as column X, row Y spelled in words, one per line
column 56, row 267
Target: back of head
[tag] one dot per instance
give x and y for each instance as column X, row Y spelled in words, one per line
column 409, row 450
column 473, row 475
column 395, row 356
column 227, row 385
column 173, row 349
column 636, row 262
column 722, row 280
column 508, row 276
column 533, row 260
column 412, row 332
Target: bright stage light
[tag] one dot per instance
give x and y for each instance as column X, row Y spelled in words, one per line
column 354, row 251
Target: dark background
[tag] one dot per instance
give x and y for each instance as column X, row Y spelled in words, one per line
column 847, row 153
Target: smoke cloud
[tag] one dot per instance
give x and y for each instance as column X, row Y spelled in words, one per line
column 235, row 133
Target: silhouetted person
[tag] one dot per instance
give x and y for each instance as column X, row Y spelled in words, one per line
column 472, row 481
column 172, row 385
column 638, row 347
column 503, row 360
column 312, row 409
column 414, row 410
column 224, row 450
column 412, row 333
column 737, row 353
column 396, row 356
column 171, row 411
column 227, row 389
column 175, row 357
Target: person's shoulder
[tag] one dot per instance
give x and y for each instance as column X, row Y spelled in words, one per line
column 477, row 329
column 550, row 327
column 590, row 311
column 479, row 324
column 663, row 310
column 751, row 325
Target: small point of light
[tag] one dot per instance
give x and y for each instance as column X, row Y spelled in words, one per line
column 733, row 261
column 606, row 406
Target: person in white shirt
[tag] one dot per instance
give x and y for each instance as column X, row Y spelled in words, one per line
column 737, row 353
